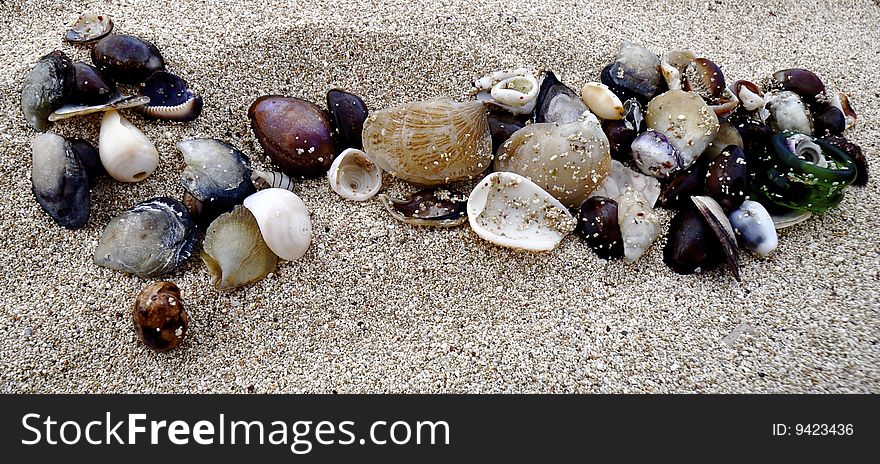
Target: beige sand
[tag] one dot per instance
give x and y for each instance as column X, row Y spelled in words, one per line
column 378, row 306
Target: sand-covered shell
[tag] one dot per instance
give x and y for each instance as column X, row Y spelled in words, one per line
column 803, row 82
column 152, row 238
column 126, row 153
column 673, row 65
column 654, row 155
column 354, row 176
column 59, row 181
column 597, row 224
column 750, row 96
column 348, row 112
column 727, row 136
column 635, row 73
column 127, row 59
column 788, row 112
column 727, row 178
column 433, row 207
column 620, row 178
column 568, row 161
column 235, row 252
column 216, row 174
column 515, row 90
column 284, row 221
column 88, row 28
column 430, row 143
column 754, row 228
column 557, row 102
column 509, row 210
column 170, row 98
column 705, row 78
column 159, row 316
column 602, row 101
column 686, row 120
column 45, row 88
column 639, row 223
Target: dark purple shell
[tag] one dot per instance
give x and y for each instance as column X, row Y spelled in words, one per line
column 855, row 153
column 705, row 78
column 620, row 138
column 502, row 125
column 684, row 184
column 295, row 133
column 88, row 156
column 597, row 224
column 348, row 112
column 170, row 98
column 828, row 120
column 691, row 243
column 127, row 59
column 800, row 81
column 727, row 179
column 89, row 86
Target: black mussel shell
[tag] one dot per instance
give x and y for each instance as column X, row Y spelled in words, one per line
column 718, row 222
column 502, row 125
column 557, row 102
column 89, row 28
column 127, row 59
column 88, row 156
column 170, row 98
column 855, row 153
column 633, row 77
column 727, row 179
column 691, row 244
column 348, row 112
column 437, row 207
column 705, row 78
column 756, row 135
column 89, row 86
column 800, row 81
column 620, row 138
column 684, row 184
column 59, row 181
column 828, row 120
column 45, row 88
column 597, row 224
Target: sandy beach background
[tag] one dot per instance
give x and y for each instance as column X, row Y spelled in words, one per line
column 379, row 306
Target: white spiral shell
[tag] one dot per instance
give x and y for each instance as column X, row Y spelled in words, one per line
column 126, row 153
column 284, row 221
column 353, row 176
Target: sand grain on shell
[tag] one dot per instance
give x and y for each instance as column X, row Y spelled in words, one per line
column 378, row 306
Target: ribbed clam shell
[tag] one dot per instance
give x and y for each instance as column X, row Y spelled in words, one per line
column 686, row 120
column 284, row 221
column 235, row 252
column 126, row 153
column 639, row 223
column 430, row 142
column 354, row 176
column 568, row 161
column 508, row 209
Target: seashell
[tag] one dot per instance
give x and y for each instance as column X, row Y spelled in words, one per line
column 855, row 154
column 673, row 65
column 193, row 205
column 802, row 82
column 127, row 59
column 635, row 73
column 502, row 126
column 557, row 103
column 828, row 120
column 45, row 88
column 272, row 179
column 170, row 98
column 639, row 223
column 59, row 181
column 569, row 161
column 686, row 120
column 683, row 185
column 349, row 113
column 353, row 176
column 126, row 153
column 602, row 101
column 89, row 28
column 621, row 133
column 160, row 318
column 439, row 207
column 704, row 78
column 654, row 155
column 754, row 227
column 89, row 86
column 432, row 142
column 727, row 178
column 117, row 102
column 509, row 210
column 691, row 245
column 152, row 238
column 841, row 101
column 515, row 90
column 597, row 224
column 620, row 178
column 284, row 221
column 235, row 252
column 725, row 104
column 91, row 161
column 216, row 174
column 727, row 135
column 749, row 95
column 755, row 135
column 295, row 133
column 720, row 225
column 789, row 113
column 785, row 218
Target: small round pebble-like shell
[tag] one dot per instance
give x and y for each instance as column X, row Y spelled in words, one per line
column 429, row 143
column 602, row 101
column 159, row 316
column 686, row 120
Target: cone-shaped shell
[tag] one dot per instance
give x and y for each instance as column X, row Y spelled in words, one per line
column 430, row 142
column 126, row 153
column 235, row 252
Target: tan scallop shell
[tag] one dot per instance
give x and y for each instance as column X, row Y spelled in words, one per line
column 430, row 142
column 235, row 252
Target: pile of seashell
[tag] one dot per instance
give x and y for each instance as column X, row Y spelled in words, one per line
column 736, row 162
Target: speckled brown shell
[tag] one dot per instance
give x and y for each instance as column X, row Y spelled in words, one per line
column 430, row 142
column 159, row 316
